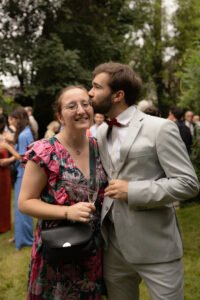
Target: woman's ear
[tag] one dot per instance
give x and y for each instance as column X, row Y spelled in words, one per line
column 60, row 119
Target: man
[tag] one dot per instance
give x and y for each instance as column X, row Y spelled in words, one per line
column 98, row 120
column 176, row 114
column 189, row 121
column 148, row 169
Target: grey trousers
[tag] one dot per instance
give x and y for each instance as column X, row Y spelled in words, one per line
column 164, row 281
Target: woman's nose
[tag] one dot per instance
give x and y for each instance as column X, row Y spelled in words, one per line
column 80, row 108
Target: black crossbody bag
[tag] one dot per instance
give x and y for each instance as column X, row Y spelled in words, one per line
column 72, row 241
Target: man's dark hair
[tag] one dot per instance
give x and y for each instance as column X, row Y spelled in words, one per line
column 152, row 111
column 122, row 77
column 2, row 123
column 177, row 112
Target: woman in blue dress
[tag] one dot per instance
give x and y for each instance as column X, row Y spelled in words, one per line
column 23, row 224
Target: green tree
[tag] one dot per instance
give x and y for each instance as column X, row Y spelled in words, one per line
column 149, row 40
column 187, row 26
column 6, row 101
column 189, row 80
column 187, row 43
column 20, row 22
column 61, row 45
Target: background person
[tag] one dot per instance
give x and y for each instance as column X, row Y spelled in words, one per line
column 32, row 120
column 148, row 169
column 176, row 114
column 189, row 121
column 98, row 120
column 55, row 188
column 52, row 128
column 5, row 183
column 152, row 111
column 23, row 224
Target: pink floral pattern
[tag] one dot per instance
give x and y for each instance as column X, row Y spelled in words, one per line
column 66, row 186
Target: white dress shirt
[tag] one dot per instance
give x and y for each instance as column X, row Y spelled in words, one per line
column 118, row 134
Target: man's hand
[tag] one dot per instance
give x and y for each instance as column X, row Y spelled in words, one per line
column 117, row 189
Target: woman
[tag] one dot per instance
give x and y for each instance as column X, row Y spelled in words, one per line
column 5, row 183
column 52, row 128
column 23, row 224
column 54, row 188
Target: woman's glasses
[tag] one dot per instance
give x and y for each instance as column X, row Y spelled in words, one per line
column 73, row 106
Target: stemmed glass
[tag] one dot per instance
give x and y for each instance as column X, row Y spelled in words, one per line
column 93, row 189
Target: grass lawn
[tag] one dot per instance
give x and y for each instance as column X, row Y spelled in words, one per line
column 14, row 264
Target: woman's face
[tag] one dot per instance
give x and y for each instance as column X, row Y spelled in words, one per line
column 76, row 110
column 12, row 121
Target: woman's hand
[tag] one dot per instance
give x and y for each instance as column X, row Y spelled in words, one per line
column 80, row 212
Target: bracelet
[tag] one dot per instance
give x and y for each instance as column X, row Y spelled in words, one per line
column 66, row 214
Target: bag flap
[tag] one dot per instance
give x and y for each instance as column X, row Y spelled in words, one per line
column 72, row 234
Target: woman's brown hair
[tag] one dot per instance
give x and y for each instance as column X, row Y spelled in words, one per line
column 21, row 116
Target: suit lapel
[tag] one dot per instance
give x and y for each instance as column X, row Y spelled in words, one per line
column 132, row 133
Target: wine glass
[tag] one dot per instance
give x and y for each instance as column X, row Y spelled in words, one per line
column 93, row 189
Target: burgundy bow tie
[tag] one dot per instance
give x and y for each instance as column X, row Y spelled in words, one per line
column 113, row 122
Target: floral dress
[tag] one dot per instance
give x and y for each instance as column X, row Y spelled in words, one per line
column 66, row 186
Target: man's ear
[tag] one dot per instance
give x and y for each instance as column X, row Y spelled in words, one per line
column 118, row 96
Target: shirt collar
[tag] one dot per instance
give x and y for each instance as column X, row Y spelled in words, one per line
column 125, row 117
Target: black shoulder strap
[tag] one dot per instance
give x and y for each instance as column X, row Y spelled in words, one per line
column 92, row 165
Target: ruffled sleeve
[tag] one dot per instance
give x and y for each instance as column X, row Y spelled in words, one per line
column 42, row 152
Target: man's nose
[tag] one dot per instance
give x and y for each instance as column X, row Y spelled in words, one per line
column 91, row 92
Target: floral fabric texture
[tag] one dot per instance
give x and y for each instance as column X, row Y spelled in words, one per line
column 66, row 186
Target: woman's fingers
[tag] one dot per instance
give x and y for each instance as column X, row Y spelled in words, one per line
column 81, row 211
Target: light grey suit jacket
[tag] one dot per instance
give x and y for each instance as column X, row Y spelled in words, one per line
column 154, row 160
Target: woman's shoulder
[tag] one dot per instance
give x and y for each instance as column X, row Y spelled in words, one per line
column 42, row 146
column 41, row 152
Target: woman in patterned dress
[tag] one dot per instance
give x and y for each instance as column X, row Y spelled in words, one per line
column 54, row 188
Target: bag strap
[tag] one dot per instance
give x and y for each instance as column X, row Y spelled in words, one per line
column 92, row 161
column 92, row 151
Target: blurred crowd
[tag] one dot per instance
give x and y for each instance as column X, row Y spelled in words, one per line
column 187, row 122
column 20, row 128
column 17, row 130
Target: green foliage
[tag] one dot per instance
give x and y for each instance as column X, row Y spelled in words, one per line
column 186, row 42
column 5, row 101
column 49, row 44
column 149, row 40
column 189, row 78
column 187, row 25
column 195, row 157
column 55, row 67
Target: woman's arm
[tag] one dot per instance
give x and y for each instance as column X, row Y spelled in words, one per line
column 10, row 149
column 33, row 183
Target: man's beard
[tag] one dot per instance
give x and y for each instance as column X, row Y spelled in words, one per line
column 103, row 107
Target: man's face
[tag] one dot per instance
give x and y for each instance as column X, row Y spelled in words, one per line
column 101, row 94
column 98, row 119
column 189, row 116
